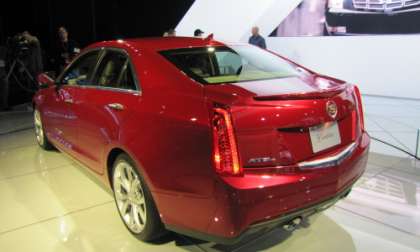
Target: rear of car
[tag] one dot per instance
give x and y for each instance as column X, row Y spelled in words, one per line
column 345, row 17
column 286, row 142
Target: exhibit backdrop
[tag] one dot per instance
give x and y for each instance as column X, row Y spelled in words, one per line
column 351, row 17
column 380, row 54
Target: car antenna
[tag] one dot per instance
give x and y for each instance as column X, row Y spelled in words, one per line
column 209, row 37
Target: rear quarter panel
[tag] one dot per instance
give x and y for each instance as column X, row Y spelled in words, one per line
column 168, row 135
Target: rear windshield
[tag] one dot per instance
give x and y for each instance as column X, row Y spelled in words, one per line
column 213, row 65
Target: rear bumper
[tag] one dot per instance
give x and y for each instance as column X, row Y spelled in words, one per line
column 369, row 22
column 262, row 227
column 257, row 202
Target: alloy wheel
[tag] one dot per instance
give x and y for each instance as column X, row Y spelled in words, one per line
column 129, row 196
column 39, row 131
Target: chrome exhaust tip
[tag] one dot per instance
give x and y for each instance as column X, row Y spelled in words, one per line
column 290, row 226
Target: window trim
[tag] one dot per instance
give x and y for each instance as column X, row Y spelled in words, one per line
column 102, row 53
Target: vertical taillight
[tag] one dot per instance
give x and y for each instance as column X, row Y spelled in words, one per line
column 225, row 153
column 360, row 108
column 354, row 127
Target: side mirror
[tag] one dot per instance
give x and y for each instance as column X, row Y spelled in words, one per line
column 45, row 81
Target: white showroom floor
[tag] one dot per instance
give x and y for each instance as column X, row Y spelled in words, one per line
column 48, row 203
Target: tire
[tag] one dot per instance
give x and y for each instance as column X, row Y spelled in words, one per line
column 41, row 138
column 134, row 201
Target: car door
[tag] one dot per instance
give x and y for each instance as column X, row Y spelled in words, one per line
column 103, row 106
column 63, row 122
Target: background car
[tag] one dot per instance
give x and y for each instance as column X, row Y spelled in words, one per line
column 207, row 139
column 372, row 17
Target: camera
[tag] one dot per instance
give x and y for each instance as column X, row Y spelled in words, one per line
column 18, row 46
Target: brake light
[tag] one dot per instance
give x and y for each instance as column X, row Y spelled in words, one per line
column 360, row 108
column 354, row 127
column 226, row 159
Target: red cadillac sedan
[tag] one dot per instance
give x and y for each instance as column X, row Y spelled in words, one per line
column 212, row 140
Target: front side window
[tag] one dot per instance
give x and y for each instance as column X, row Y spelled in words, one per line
column 214, row 65
column 80, row 73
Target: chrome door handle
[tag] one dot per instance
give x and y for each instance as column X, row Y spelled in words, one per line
column 116, row 106
column 68, row 100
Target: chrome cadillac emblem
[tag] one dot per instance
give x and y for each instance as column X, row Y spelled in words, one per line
column 332, row 109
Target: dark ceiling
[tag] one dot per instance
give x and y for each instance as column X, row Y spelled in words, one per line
column 87, row 21
column 91, row 20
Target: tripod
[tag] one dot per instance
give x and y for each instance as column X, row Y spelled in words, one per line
column 4, row 89
column 25, row 79
column 22, row 77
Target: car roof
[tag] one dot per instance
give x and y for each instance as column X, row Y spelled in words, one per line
column 160, row 43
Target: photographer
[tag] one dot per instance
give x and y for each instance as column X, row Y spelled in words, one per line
column 22, row 59
column 34, row 60
column 66, row 49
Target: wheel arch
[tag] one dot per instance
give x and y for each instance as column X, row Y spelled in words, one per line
column 112, row 155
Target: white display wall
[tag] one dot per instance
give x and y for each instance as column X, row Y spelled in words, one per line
column 386, row 65
column 381, row 65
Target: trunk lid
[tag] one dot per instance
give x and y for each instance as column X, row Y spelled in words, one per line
column 273, row 118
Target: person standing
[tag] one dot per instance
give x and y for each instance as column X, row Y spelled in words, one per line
column 67, row 49
column 198, row 33
column 256, row 39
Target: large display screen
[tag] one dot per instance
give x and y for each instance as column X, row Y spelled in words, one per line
column 351, row 17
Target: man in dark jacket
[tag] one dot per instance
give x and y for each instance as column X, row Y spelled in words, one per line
column 66, row 50
column 256, row 39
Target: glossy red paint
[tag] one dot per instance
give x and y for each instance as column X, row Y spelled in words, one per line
column 166, row 127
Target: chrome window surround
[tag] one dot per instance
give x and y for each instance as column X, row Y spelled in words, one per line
column 101, row 55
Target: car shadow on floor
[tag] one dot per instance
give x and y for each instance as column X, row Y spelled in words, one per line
column 318, row 233
column 180, row 240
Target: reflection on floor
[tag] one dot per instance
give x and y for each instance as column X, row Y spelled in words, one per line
column 52, row 204
column 394, row 121
column 18, row 118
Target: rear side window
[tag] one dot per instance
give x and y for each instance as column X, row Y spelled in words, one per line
column 222, row 64
column 127, row 78
column 115, row 71
column 80, row 73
